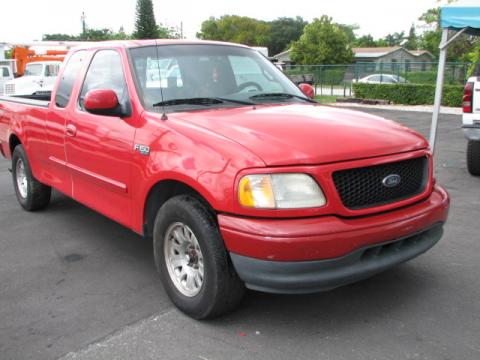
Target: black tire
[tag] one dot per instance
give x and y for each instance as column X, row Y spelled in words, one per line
column 221, row 290
column 37, row 195
column 473, row 157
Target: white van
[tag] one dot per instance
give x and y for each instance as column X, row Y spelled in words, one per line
column 38, row 79
column 5, row 75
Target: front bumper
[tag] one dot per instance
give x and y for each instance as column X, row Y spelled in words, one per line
column 319, row 253
column 300, row 277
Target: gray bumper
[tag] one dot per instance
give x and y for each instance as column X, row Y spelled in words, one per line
column 471, row 132
column 313, row 276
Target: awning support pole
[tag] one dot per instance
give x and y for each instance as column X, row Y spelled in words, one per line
column 445, row 44
column 438, row 88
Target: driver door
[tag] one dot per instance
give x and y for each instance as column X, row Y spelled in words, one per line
column 99, row 148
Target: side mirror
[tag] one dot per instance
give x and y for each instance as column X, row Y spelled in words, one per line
column 102, row 102
column 307, row 89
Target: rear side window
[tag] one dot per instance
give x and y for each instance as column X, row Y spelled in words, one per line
column 105, row 72
column 5, row 72
column 69, row 76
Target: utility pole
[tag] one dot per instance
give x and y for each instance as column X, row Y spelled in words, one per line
column 84, row 23
column 181, row 30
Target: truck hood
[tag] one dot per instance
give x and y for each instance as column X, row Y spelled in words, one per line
column 307, row 134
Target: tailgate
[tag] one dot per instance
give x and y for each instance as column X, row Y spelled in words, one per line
column 476, row 97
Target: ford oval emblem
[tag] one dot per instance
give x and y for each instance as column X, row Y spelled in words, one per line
column 391, row 180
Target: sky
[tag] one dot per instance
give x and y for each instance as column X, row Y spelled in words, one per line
column 28, row 20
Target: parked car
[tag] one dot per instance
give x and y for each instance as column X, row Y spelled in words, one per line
column 38, row 79
column 5, row 76
column 382, row 79
column 240, row 183
column 471, row 123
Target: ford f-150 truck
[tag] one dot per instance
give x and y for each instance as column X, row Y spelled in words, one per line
column 241, row 179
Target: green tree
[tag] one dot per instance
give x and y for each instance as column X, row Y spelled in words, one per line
column 97, row 35
column 412, row 39
column 349, row 31
column 59, row 37
column 395, row 39
column 145, row 25
column 283, row 31
column 322, row 42
column 365, row 41
column 89, row 35
column 237, row 29
column 165, row 32
column 474, row 58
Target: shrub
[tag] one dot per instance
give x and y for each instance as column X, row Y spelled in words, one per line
column 430, row 77
column 409, row 94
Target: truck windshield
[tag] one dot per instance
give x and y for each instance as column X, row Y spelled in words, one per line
column 226, row 75
column 33, row 70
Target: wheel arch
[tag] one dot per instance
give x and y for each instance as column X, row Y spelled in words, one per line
column 164, row 190
column 13, row 141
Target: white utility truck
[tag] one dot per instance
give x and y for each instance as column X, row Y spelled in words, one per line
column 38, row 80
column 471, row 123
column 5, row 76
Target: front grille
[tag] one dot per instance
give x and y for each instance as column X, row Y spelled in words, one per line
column 10, row 89
column 363, row 187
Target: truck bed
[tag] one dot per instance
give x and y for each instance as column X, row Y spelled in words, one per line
column 17, row 114
column 33, row 100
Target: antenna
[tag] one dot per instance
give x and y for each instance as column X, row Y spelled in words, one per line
column 164, row 115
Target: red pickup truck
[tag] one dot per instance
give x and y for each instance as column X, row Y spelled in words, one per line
column 241, row 179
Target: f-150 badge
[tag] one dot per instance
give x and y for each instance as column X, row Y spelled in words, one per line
column 142, row 149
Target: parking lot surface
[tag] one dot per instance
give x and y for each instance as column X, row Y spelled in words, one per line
column 75, row 285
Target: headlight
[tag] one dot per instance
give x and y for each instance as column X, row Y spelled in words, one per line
column 280, row 191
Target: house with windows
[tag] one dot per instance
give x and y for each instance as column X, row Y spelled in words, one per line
column 393, row 57
column 376, row 58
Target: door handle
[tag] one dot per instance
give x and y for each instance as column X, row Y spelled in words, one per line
column 70, row 130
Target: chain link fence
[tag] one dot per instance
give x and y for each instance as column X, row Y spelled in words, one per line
column 336, row 80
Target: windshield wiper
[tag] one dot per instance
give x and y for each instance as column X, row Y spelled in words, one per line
column 205, row 101
column 242, row 102
column 280, row 95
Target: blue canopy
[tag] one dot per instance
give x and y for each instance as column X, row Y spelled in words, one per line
column 464, row 14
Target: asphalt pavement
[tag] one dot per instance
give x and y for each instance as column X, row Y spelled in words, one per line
column 76, row 285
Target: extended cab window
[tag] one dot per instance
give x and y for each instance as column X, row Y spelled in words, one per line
column 68, row 79
column 105, row 72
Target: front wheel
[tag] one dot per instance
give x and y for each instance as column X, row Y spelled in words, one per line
column 194, row 265
column 473, row 157
column 31, row 194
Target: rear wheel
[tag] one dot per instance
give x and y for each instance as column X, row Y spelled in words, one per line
column 473, row 157
column 31, row 194
column 194, row 265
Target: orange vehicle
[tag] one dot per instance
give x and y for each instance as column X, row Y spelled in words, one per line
column 24, row 55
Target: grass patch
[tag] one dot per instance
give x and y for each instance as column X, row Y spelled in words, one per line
column 326, row 99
